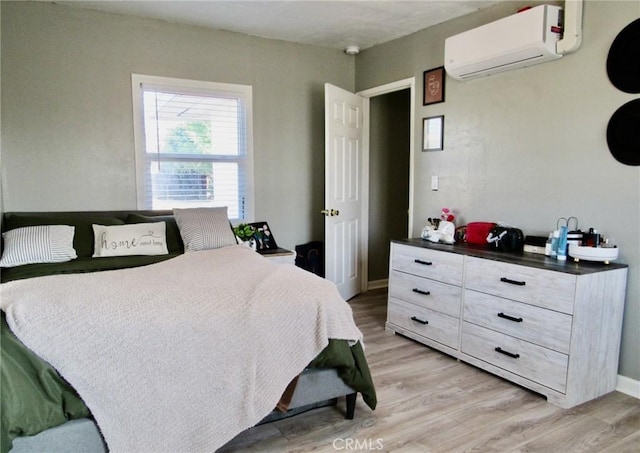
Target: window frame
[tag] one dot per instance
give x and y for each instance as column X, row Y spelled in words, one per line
column 194, row 87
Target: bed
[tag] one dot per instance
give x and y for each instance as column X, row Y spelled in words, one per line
column 181, row 348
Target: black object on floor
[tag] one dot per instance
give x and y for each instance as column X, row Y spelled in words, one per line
column 310, row 257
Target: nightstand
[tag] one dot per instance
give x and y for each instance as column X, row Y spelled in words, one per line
column 279, row 255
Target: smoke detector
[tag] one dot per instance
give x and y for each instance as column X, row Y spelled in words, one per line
column 352, row 50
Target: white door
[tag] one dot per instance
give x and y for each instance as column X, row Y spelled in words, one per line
column 343, row 189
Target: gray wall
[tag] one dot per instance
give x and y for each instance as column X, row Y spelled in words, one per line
column 67, row 130
column 388, row 177
column 527, row 146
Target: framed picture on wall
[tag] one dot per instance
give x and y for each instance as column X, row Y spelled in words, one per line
column 433, row 85
column 433, row 133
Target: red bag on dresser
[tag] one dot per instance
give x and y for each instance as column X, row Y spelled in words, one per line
column 477, row 232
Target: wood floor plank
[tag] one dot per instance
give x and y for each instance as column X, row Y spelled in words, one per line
column 507, row 434
column 431, row 402
column 585, row 434
column 629, row 444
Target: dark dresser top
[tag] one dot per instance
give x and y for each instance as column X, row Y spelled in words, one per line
column 569, row 266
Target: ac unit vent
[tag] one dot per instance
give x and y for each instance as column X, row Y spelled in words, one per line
column 517, row 41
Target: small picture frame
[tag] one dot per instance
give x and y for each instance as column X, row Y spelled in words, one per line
column 263, row 237
column 433, row 86
column 433, row 133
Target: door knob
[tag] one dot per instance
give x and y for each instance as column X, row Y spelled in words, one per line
column 330, row 212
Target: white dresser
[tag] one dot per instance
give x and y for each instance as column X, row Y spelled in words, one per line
column 549, row 326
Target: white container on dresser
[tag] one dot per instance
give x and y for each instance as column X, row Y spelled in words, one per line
column 549, row 326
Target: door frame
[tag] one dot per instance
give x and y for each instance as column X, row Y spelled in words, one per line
column 398, row 85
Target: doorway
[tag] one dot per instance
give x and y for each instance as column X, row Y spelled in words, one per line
column 392, row 190
column 388, row 136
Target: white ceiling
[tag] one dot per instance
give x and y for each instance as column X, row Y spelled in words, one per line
column 329, row 23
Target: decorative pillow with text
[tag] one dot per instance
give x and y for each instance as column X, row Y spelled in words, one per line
column 131, row 239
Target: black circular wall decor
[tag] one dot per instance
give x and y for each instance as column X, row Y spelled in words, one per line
column 623, row 62
column 623, row 133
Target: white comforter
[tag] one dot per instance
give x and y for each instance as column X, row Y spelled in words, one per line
column 184, row 354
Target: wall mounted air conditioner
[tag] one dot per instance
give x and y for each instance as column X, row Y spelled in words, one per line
column 523, row 39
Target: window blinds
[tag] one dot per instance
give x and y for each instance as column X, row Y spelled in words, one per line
column 195, row 148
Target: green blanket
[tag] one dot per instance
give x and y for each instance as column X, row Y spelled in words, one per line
column 35, row 397
column 351, row 365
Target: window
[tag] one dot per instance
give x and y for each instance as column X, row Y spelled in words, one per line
column 193, row 145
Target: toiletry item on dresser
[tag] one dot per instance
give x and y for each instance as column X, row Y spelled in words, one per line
column 548, row 247
column 594, row 248
column 555, row 236
column 561, row 253
column 591, row 239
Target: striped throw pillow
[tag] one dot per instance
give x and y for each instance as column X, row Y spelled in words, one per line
column 38, row 244
column 204, row 228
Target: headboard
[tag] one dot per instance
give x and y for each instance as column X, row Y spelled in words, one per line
column 83, row 240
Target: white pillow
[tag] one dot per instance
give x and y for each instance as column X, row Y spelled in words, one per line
column 38, row 244
column 204, row 228
column 131, row 239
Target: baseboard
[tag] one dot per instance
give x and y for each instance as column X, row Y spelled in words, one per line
column 628, row 386
column 377, row 284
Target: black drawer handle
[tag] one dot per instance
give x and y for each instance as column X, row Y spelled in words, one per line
column 425, row 263
column 421, row 321
column 419, row 291
column 513, row 282
column 510, row 354
column 510, row 318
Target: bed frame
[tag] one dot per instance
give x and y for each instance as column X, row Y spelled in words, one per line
column 316, row 387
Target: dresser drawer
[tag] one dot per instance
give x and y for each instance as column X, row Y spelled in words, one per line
column 530, row 361
column 428, row 323
column 547, row 289
column 441, row 266
column 543, row 327
column 426, row 293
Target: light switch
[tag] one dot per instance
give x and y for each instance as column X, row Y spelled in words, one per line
column 434, row 182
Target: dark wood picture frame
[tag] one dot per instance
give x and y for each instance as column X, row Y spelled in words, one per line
column 433, row 86
column 433, row 133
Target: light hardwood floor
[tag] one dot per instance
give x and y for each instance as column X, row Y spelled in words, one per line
column 429, row 402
